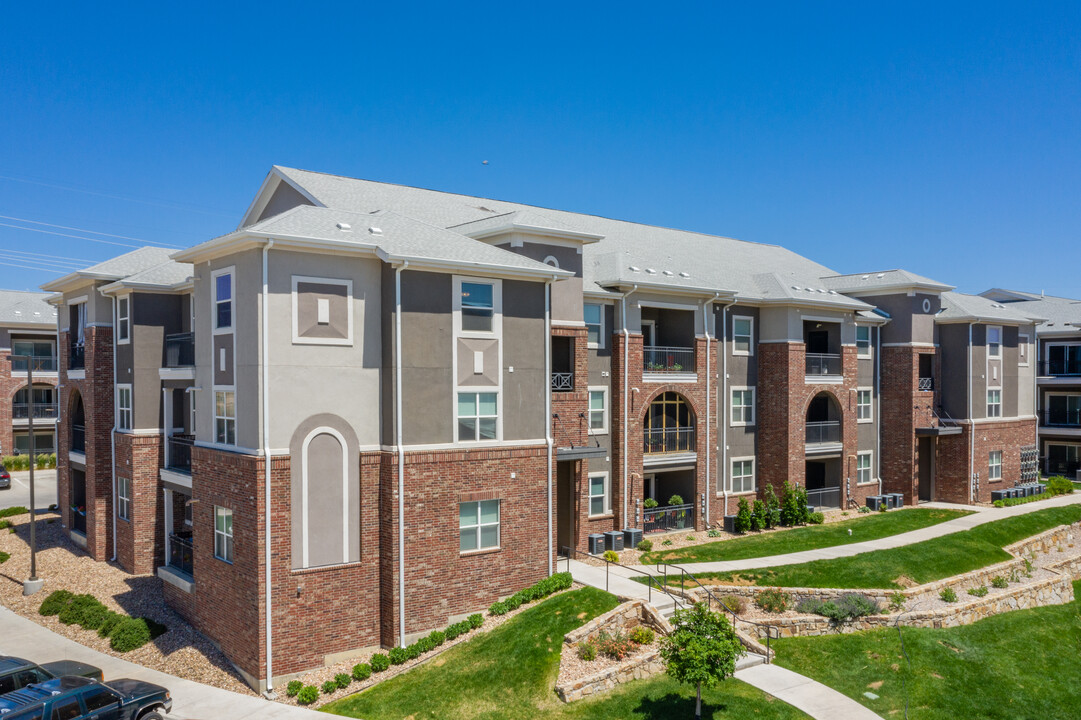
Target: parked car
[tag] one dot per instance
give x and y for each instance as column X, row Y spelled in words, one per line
column 5, row 479
column 81, row 698
column 16, row 672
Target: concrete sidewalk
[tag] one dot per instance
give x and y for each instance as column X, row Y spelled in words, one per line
column 191, row 700
column 812, row 697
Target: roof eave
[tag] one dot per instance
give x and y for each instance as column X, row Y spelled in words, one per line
column 417, row 262
column 508, row 228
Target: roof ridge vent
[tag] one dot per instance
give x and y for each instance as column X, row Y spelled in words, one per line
column 345, row 227
column 865, row 277
column 375, row 231
column 669, row 273
column 651, row 271
column 880, row 275
column 684, row 274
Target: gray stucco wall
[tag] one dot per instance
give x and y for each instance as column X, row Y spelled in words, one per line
column 742, row 371
column 953, row 347
column 284, row 198
column 153, row 316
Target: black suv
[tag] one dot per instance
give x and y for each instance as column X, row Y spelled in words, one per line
column 80, row 698
column 17, row 672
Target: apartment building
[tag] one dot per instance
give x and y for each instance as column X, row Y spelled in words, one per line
column 27, row 342
column 1058, row 381
column 373, row 409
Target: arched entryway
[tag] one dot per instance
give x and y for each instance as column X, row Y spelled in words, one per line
column 669, row 460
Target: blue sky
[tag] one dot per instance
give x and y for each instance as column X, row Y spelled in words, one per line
column 939, row 139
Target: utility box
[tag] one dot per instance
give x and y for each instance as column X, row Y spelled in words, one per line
column 730, row 524
column 876, row 502
column 998, row 495
column 613, row 540
column 596, row 544
column 631, row 537
column 898, row 500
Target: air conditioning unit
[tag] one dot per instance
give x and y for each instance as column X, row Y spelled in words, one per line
column 613, row 540
column 631, row 537
column 596, row 544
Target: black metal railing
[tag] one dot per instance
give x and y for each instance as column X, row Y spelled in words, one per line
column 823, row 432
column 670, row 440
column 78, row 438
column 1058, row 368
column 181, row 553
column 42, row 411
column 37, row 363
column 562, row 381
column 1062, row 418
column 829, row 497
column 656, row 359
column 179, row 454
column 672, row 517
column 180, row 350
column 823, row 364
column 926, row 384
column 77, row 357
column 652, row 582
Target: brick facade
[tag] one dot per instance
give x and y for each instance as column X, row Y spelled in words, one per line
column 904, row 408
column 952, row 478
column 140, row 540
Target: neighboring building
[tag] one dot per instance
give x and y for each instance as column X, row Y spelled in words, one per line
column 1058, row 382
column 373, row 409
column 27, row 330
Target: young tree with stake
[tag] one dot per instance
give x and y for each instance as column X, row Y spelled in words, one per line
column 702, row 649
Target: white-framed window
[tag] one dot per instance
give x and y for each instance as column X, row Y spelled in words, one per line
column 123, row 407
column 123, row 320
column 600, row 496
column 477, row 306
column 225, row 417
column 743, row 406
column 223, row 534
column 742, row 335
column 994, row 465
column 123, row 498
column 593, row 314
column 223, row 299
column 864, row 408
column 863, row 467
column 478, row 416
column 994, row 341
column 598, row 410
column 742, row 476
column 994, row 403
column 1022, row 350
column 478, row 525
column 863, row 341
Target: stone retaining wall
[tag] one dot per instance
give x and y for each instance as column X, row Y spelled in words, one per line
column 622, row 619
column 1045, row 541
column 637, row 668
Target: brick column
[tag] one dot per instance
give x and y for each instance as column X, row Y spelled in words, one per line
column 781, row 442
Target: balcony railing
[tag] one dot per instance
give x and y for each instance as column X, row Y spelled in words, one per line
column 663, row 519
column 823, row 432
column 37, row 363
column 179, row 454
column 78, row 438
column 180, row 350
column 829, row 497
column 926, row 384
column 562, row 381
column 1062, row 418
column 42, row 411
column 1066, row 468
column 657, row 359
column 1069, row 367
column 823, row 364
column 77, row 357
column 670, row 440
column 181, row 553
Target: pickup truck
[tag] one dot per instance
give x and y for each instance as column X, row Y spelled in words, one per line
column 16, row 672
column 79, row 698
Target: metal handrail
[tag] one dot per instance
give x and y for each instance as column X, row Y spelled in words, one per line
column 21, row 411
column 664, row 359
column 1061, row 418
column 823, row 364
column 562, row 381
column 926, row 384
column 180, row 350
column 569, row 552
column 823, row 432
column 668, row 440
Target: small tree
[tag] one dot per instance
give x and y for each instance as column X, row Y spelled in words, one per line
column 772, row 505
column 743, row 516
column 702, row 649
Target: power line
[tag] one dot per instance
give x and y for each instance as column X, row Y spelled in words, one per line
column 84, row 230
column 48, row 256
column 28, row 267
column 77, row 237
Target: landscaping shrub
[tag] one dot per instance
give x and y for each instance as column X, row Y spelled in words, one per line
column 475, row 620
column 129, row 634
column 293, row 688
column 642, row 635
column 816, row 518
column 611, row 556
column 897, row 601
column 743, row 516
column 426, row 644
column 978, row 591
column 773, row 506
column 948, row 595
column 342, row 680
column 379, row 662
column 13, row 511
column 74, row 612
column 773, row 600
column 1058, row 485
column 999, row 503
column 544, row 588
column 362, row 671
column 93, row 616
column 999, row 582
column 616, row 646
column 793, row 505
column 437, row 637
column 329, row 687
column 645, row 545
column 57, row 601
column 666, row 542
column 845, row 609
column 398, row 655
column 713, row 533
column 307, row 695
column 587, row 651
column 110, row 621
column 5, row 524
column 4, row 557
column 675, row 500
column 650, row 503
column 734, row 603
column 414, row 651
column 498, row 608
column 758, row 516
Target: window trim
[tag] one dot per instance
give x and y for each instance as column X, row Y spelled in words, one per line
column 123, row 322
column 214, row 410
column 121, row 410
column 474, row 390
column 603, row 430
column 600, row 344
column 229, row 536
column 870, row 455
column 732, row 475
column 607, row 494
column 732, row 405
column 990, row 465
column 497, row 309
column 344, row 282
column 1023, row 350
column 214, row 275
column 750, row 336
column 987, row 342
column 870, row 345
column 477, row 528
column 995, row 404
column 870, row 405
column 123, row 501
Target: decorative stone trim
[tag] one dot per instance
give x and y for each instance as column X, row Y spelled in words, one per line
column 638, row 668
column 621, row 619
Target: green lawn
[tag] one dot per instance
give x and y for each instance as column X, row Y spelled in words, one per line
column 1018, row 665
column 510, row 673
column 811, row 537
column 922, row 562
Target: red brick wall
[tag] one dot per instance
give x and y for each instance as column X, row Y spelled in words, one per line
column 140, row 542
column 952, row 478
column 904, row 408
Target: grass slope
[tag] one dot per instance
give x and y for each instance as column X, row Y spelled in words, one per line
column 1021, row 664
column 922, row 562
column 510, row 672
column 811, row 537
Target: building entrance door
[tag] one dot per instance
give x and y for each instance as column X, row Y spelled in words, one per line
column 564, row 506
column 927, row 468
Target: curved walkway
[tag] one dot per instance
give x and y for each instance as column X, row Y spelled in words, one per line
column 801, row 692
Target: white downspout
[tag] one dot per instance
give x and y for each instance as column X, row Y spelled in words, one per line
column 398, row 441
column 724, row 405
column 878, row 412
column 971, row 420
column 626, row 390
column 707, row 307
column 112, row 435
column 266, row 471
column 548, row 405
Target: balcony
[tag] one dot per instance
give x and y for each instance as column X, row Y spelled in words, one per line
column 562, row 382
column 672, row 517
column 819, row 433
column 182, row 553
column 823, row 364
column 926, row 384
column 1062, row 418
column 180, row 350
column 669, row 440
column 36, row 363
column 661, row 359
column 1062, row 367
column 826, row 497
column 77, row 357
column 42, row 411
column 78, row 438
column 178, row 454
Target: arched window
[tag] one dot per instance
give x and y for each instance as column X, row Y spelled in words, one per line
column 669, row 425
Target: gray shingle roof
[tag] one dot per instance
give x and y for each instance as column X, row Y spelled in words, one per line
column 1062, row 314
column 959, row 307
column 882, row 280
column 118, row 267
column 17, row 306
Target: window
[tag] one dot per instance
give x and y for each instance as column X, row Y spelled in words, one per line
column 742, row 335
column 863, row 467
column 863, row 406
column 743, row 406
column 123, row 320
column 99, row 698
column 994, row 403
column 1022, row 350
column 743, row 475
column 66, row 709
column 599, row 501
column 223, row 534
column 478, row 525
column 478, row 307
column 123, row 498
column 223, row 301
column 863, row 341
column 994, row 465
column 225, row 417
column 598, row 411
column 994, row 341
column 123, row 407
column 594, row 317
column 477, row 417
